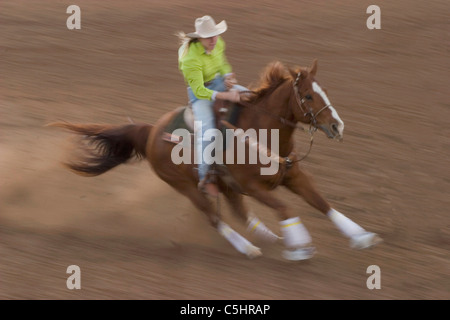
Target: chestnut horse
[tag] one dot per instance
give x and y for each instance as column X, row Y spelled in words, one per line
column 285, row 98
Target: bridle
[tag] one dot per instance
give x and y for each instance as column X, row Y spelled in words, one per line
column 301, row 103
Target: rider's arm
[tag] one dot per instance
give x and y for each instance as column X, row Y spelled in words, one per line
column 192, row 71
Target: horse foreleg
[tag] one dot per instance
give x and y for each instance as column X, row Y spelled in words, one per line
column 295, row 235
column 254, row 224
column 301, row 183
column 204, row 204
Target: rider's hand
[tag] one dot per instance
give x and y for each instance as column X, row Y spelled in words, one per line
column 234, row 96
column 230, row 81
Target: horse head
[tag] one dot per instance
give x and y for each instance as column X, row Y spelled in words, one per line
column 312, row 104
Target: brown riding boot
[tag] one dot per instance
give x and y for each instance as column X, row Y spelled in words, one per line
column 208, row 187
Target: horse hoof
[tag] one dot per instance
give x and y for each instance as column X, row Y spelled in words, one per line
column 299, row 254
column 253, row 252
column 365, row 240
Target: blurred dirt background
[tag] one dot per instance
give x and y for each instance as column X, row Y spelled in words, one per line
column 135, row 238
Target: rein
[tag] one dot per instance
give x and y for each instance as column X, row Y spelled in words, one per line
column 281, row 119
column 300, row 102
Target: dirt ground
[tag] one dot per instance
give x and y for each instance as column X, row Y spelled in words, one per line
column 133, row 237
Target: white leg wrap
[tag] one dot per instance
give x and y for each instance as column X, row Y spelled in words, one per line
column 260, row 230
column 344, row 224
column 237, row 241
column 294, row 233
column 359, row 238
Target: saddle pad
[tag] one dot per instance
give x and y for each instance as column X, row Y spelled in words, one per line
column 178, row 121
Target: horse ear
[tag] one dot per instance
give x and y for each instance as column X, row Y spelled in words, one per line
column 313, row 69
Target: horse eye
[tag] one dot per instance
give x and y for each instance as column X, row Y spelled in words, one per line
column 308, row 96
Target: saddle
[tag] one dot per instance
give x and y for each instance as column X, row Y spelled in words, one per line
column 223, row 110
column 184, row 119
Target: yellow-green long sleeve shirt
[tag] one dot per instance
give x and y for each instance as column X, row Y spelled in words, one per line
column 199, row 67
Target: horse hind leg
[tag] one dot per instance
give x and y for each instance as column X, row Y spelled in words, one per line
column 237, row 241
column 240, row 243
column 254, row 224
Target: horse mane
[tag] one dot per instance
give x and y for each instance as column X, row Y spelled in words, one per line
column 273, row 75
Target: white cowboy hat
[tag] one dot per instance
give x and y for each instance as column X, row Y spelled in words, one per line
column 206, row 27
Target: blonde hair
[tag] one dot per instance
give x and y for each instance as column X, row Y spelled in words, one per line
column 185, row 42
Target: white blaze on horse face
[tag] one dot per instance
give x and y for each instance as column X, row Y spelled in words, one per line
column 334, row 113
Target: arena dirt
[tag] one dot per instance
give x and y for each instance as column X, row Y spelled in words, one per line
column 133, row 237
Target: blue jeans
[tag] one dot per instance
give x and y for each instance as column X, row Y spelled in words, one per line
column 203, row 111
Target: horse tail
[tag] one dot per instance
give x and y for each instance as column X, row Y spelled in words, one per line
column 106, row 146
